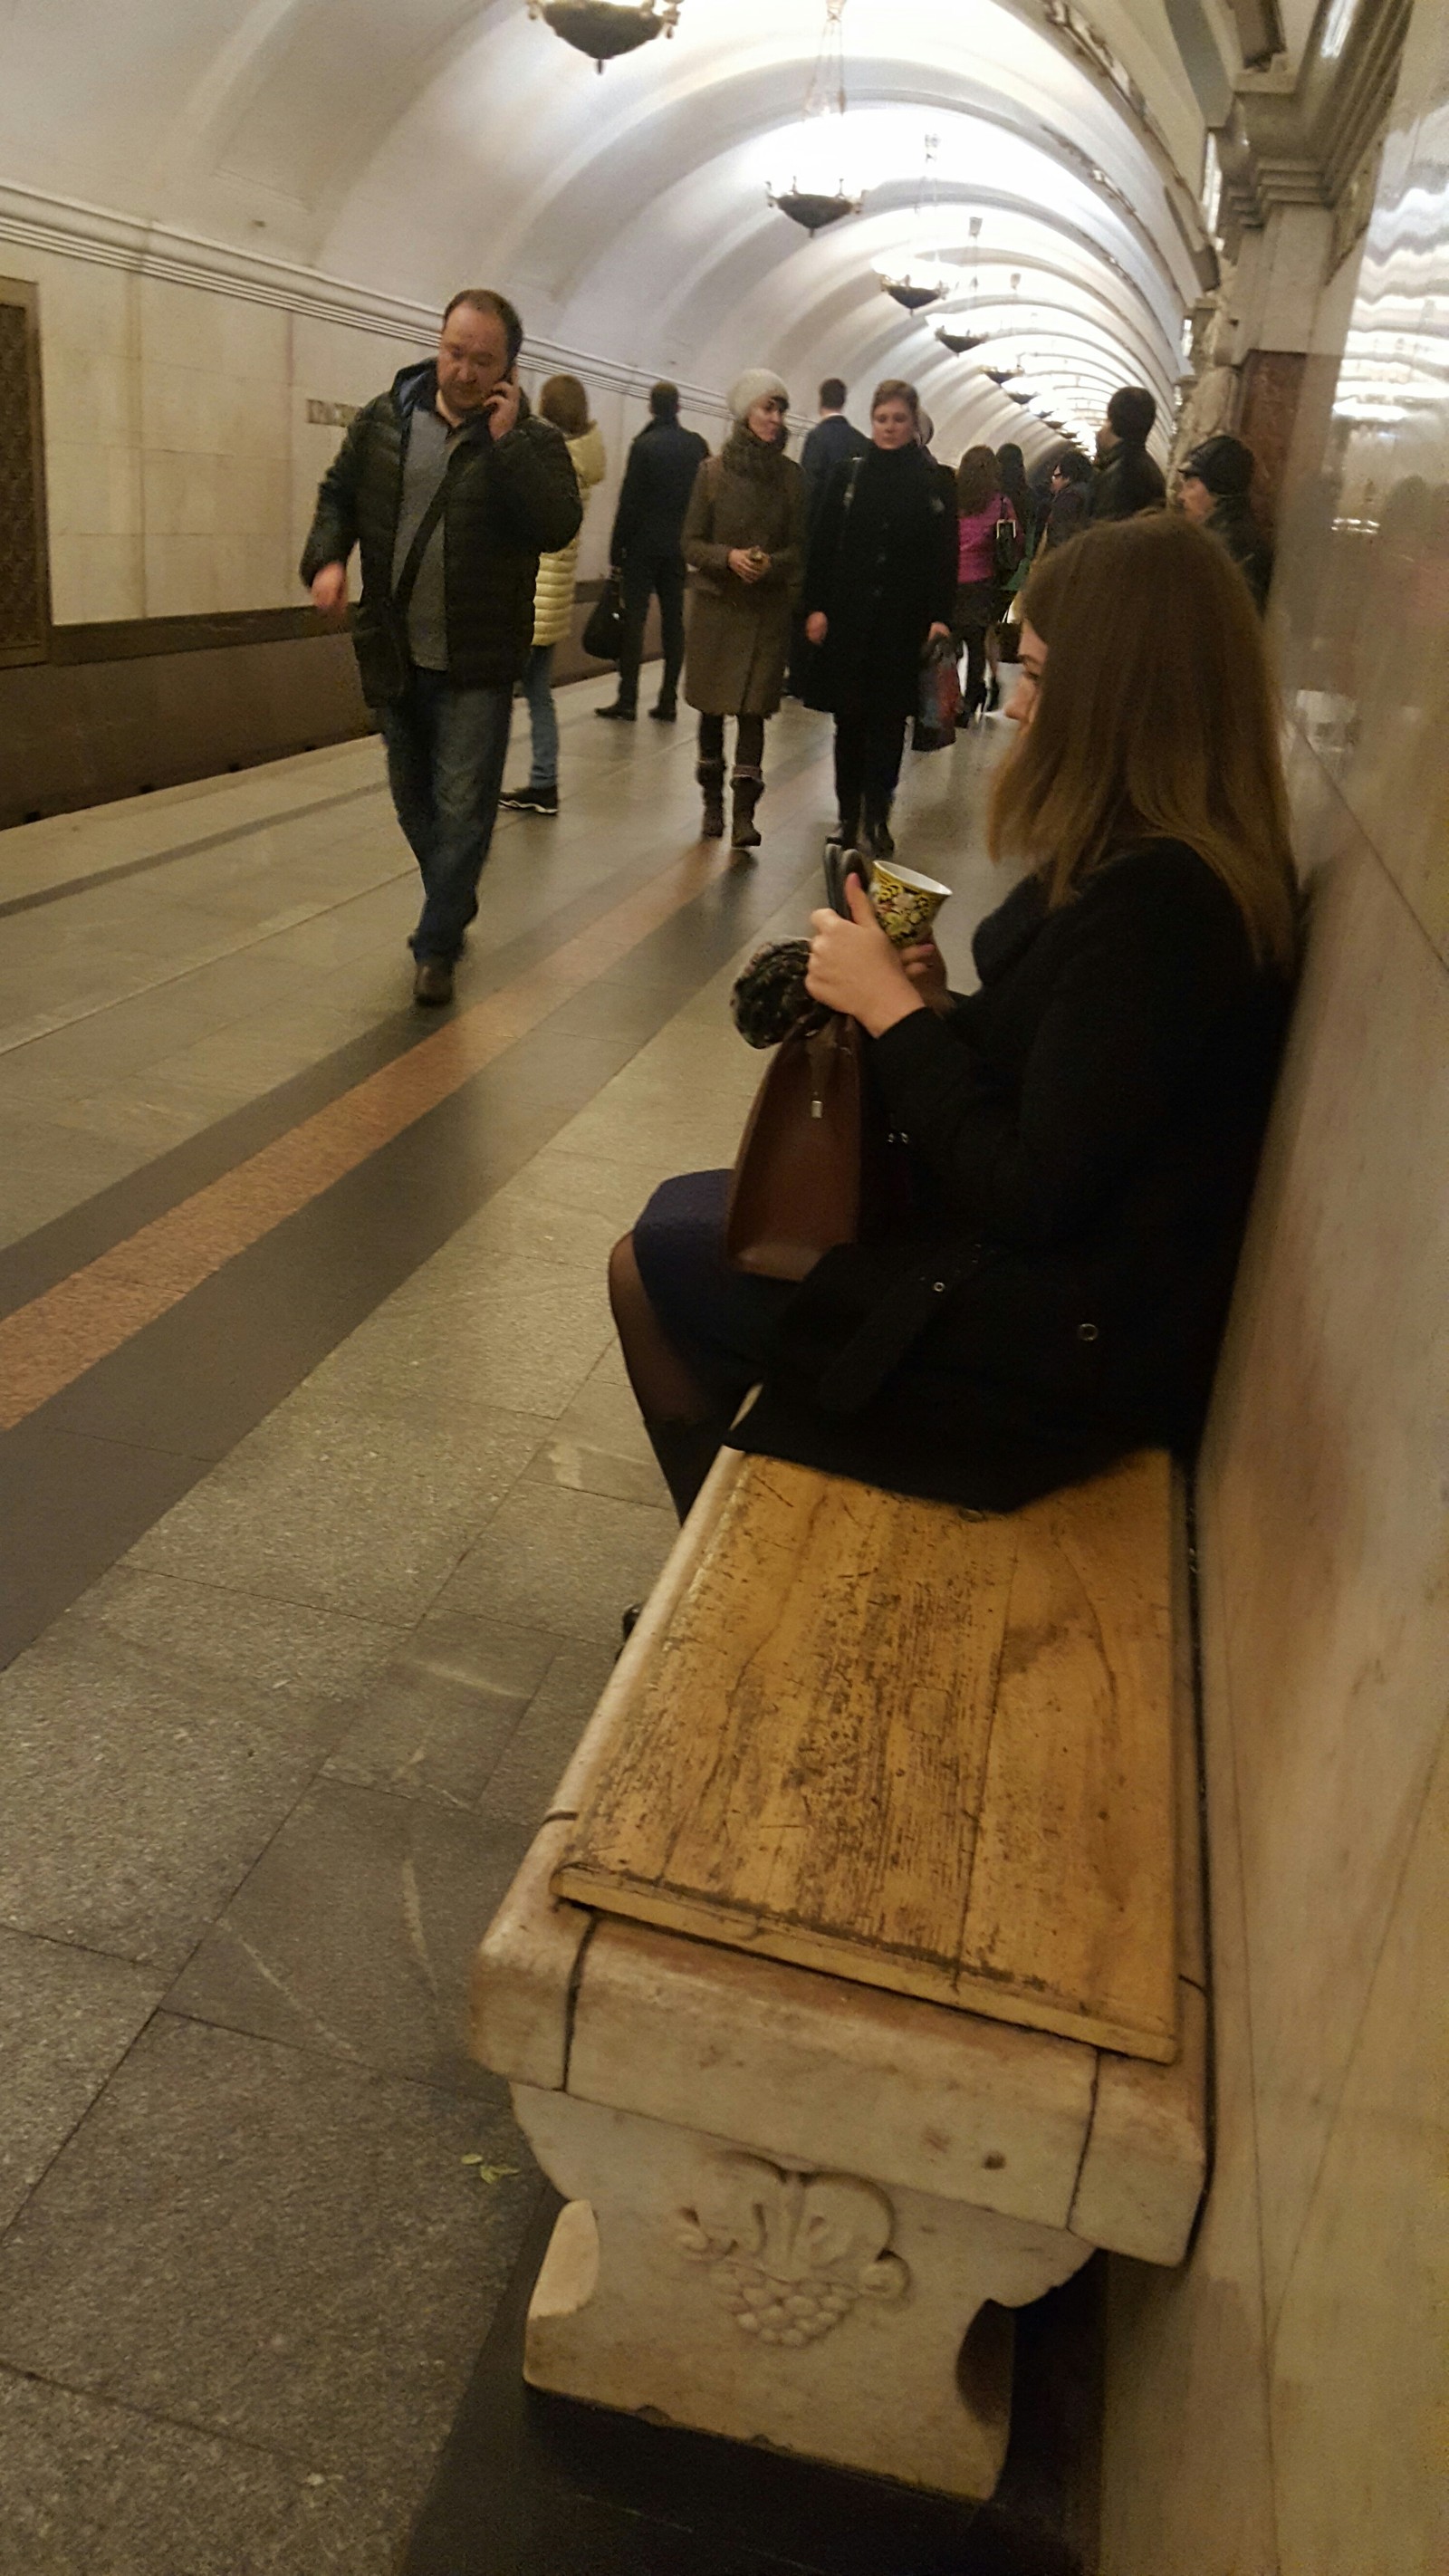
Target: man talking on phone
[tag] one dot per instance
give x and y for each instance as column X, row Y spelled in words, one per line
column 452, row 490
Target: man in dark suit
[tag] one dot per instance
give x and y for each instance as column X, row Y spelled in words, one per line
column 827, row 445
column 831, row 440
column 645, row 549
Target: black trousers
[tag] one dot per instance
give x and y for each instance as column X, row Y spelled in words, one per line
column 643, row 577
column 869, row 745
column 749, row 742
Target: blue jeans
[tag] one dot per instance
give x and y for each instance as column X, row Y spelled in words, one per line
column 445, row 753
column 542, row 715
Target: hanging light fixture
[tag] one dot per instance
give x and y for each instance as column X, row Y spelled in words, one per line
column 1003, row 376
column 921, row 281
column 814, row 208
column 603, row 29
column 958, row 342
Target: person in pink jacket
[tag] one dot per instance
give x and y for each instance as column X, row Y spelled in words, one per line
column 981, row 581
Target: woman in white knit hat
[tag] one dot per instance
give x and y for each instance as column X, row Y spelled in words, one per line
column 744, row 543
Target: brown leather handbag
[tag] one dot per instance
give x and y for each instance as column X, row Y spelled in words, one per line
column 808, row 1174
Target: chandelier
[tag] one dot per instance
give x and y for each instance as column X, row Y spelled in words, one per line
column 814, row 208
column 603, row 28
column 922, row 281
column 958, row 342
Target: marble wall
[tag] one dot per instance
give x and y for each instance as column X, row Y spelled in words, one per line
column 181, row 463
column 1277, row 2408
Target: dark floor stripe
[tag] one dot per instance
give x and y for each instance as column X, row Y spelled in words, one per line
column 146, row 1423
column 184, row 850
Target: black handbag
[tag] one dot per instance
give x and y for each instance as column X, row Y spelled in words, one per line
column 603, row 636
column 1008, row 547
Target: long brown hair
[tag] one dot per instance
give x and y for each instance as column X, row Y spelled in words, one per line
column 1157, row 719
column 564, row 402
column 977, row 480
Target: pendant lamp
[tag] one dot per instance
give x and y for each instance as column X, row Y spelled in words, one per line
column 815, row 208
column 921, row 281
column 603, row 29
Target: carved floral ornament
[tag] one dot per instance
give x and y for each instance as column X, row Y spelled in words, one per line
column 790, row 2254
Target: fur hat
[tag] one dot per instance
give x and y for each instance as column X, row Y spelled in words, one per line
column 1224, row 464
column 757, row 384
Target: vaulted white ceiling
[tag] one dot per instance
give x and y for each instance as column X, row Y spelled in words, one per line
column 415, row 145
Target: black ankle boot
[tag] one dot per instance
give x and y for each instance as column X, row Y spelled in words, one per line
column 711, row 776
column 878, row 837
column 686, row 1451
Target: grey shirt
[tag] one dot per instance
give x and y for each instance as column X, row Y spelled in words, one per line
column 429, row 443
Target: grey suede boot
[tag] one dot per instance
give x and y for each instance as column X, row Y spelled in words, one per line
column 749, row 788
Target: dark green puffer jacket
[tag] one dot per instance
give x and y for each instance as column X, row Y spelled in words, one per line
column 509, row 501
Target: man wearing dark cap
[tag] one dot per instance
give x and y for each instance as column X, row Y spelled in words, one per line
column 1128, row 481
column 645, row 549
column 1215, row 481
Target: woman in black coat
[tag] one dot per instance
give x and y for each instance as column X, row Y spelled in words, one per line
column 880, row 582
column 1083, row 1130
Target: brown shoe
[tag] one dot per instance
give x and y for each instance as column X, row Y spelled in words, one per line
column 433, row 983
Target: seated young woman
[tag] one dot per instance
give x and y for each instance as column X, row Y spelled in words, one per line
column 1083, row 1130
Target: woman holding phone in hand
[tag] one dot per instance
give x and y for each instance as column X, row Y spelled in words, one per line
column 1083, row 1129
column 744, row 540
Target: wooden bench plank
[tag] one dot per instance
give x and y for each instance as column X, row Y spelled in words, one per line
column 992, row 1829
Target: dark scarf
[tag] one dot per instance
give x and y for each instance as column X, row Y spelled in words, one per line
column 749, row 457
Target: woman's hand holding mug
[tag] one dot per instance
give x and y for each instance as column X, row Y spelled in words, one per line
column 747, row 563
column 853, row 967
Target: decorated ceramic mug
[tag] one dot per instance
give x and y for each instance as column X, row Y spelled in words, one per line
column 905, row 904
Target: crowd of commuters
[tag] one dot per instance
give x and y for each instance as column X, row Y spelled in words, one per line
column 839, row 579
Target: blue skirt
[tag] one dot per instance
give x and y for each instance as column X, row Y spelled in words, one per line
column 721, row 1321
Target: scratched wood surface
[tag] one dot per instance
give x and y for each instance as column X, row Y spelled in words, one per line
column 926, row 1752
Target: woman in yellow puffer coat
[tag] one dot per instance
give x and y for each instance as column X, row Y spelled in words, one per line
column 564, row 402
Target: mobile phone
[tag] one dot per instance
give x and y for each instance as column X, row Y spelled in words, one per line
column 839, row 865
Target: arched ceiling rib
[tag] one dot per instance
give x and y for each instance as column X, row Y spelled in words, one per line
column 414, row 144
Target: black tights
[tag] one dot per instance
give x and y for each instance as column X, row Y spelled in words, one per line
column 869, row 745
column 749, row 744
column 684, row 1421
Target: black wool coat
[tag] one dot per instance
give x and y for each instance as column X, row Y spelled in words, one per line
column 658, row 480
column 1084, row 1133
column 509, row 500
column 882, row 566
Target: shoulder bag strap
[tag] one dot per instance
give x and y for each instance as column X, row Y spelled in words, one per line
column 406, row 582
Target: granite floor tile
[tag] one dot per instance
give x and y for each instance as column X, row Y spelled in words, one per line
column 268, row 2245
column 567, row 1561
column 521, row 1789
column 67, row 2017
column 346, row 1509
column 355, row 1934
column 524, row 1225
column 150, row 1744
column 437, row 1721
column 93, row 2489
column 510, row 1332
column 614, row 1187
column 585, row 1468
column 604, row 1414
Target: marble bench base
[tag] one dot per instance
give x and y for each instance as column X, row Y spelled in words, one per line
column 697, row 2283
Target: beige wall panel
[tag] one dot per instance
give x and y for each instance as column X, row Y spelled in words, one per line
column 1358, row 2419
column 1322, row 1491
